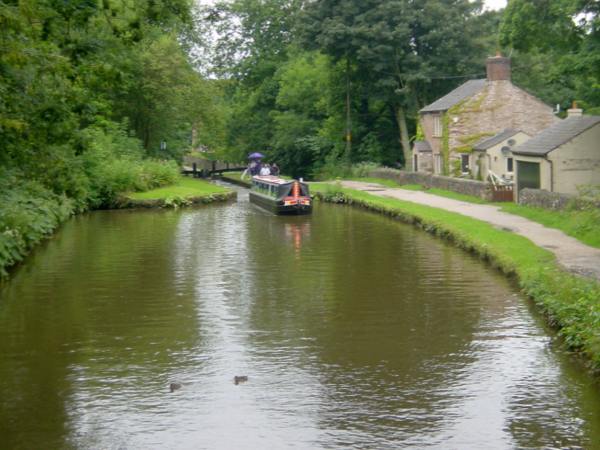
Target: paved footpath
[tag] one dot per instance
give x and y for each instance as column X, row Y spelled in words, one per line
column 573, row 255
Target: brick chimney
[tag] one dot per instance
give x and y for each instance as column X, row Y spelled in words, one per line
column 574, row 111
column 498, row 68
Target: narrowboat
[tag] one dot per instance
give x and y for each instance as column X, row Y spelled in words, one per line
column 280, row 196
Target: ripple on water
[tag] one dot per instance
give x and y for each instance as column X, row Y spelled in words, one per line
column 354, row 331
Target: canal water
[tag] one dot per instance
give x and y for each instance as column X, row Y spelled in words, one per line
column 355, row 332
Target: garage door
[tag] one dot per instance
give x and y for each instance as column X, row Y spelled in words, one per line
column 528, row 175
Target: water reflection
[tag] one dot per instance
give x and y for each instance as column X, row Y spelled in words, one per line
column 354, row 332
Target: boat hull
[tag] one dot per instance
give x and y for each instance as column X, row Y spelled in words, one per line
column 278, row 206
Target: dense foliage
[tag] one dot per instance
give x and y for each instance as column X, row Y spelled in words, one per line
column 96, row 97
column 559, row 44
column 323, row 84
column 319, row 85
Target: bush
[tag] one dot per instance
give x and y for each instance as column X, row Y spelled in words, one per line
column 28, row 213
column 156, row 173
column 113, row 163
column 337, row 168
column 363, row 169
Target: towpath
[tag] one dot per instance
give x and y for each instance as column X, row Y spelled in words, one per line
column 573, row 255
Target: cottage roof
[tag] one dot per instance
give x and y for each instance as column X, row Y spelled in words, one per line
column 489, row 142
column 422, row 147
column 462, row 92
column 556, row 135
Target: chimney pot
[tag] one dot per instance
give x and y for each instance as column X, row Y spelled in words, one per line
column 498, row 68
column 574, row 111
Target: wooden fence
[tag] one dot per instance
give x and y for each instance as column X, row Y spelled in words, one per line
column 501, row 193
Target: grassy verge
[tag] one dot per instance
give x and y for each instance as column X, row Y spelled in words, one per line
column 185, row 191
column 235, row 178
column 382, row 181
column 583, row 225
column 572, row 304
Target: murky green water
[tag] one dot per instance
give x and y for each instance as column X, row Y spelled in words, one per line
column 354, row 331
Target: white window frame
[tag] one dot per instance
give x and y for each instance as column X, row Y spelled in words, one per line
column 438, row 130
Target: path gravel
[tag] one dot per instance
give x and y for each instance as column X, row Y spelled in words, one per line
column 573, row 255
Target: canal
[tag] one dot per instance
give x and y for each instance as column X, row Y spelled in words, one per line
column 355, row 332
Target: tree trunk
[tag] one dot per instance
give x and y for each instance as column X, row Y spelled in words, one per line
column 348, row 154
column 403, row 138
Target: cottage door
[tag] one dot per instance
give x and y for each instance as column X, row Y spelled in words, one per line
column 528, row 175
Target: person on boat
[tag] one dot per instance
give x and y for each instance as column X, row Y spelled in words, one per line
column 275, row 169
column 265, row 170
column 254, row 167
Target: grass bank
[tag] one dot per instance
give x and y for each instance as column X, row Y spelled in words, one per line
column 570, row 303
column 583, row 225
column 236, row 178
column 185, row 191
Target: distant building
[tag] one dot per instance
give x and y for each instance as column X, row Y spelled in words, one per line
column 562, row 157
column 494, row 154
column 477, row 109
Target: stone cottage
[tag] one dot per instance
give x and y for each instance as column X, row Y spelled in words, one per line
column 475, row 110
column 562, row 157
column 494, row 155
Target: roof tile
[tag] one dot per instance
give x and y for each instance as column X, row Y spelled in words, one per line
column 489, row 142
column 556, row 135
column 462, row 92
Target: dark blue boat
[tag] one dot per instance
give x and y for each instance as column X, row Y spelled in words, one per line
column 280, row 196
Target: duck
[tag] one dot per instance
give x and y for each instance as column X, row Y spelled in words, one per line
column 174, row 386
column 240, row 379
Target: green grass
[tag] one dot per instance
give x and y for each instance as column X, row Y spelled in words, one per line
column 184, row 188
column 233, row 175
column 571, row 303
column 582, row 225
column 457, row 196
column 382, row 181
column 412, row 187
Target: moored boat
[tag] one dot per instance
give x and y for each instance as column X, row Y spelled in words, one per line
column 280, row 196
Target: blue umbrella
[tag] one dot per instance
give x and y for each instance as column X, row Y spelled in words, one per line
column 255, row 155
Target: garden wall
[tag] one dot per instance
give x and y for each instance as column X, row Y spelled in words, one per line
column 459, row 185
column 553, row 200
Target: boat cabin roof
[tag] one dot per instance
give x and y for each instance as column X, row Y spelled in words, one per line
column 271, row 179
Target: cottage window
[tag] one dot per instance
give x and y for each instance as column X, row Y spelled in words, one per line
column 464, row 163
column 437, row 125
column 509, row 165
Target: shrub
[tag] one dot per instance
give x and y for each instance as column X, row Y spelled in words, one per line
column 156, row 173
column 337, row 168
column 363, row 169
column 113, row 164
column 28, row 213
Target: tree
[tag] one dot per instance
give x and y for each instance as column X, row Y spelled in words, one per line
column 302, row 108
column 566, row 33
column 397, row 46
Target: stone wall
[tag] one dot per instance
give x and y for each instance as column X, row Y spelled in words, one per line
column 499, row 105
column 459, row 185
column 553, row 200
column 544, row 199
